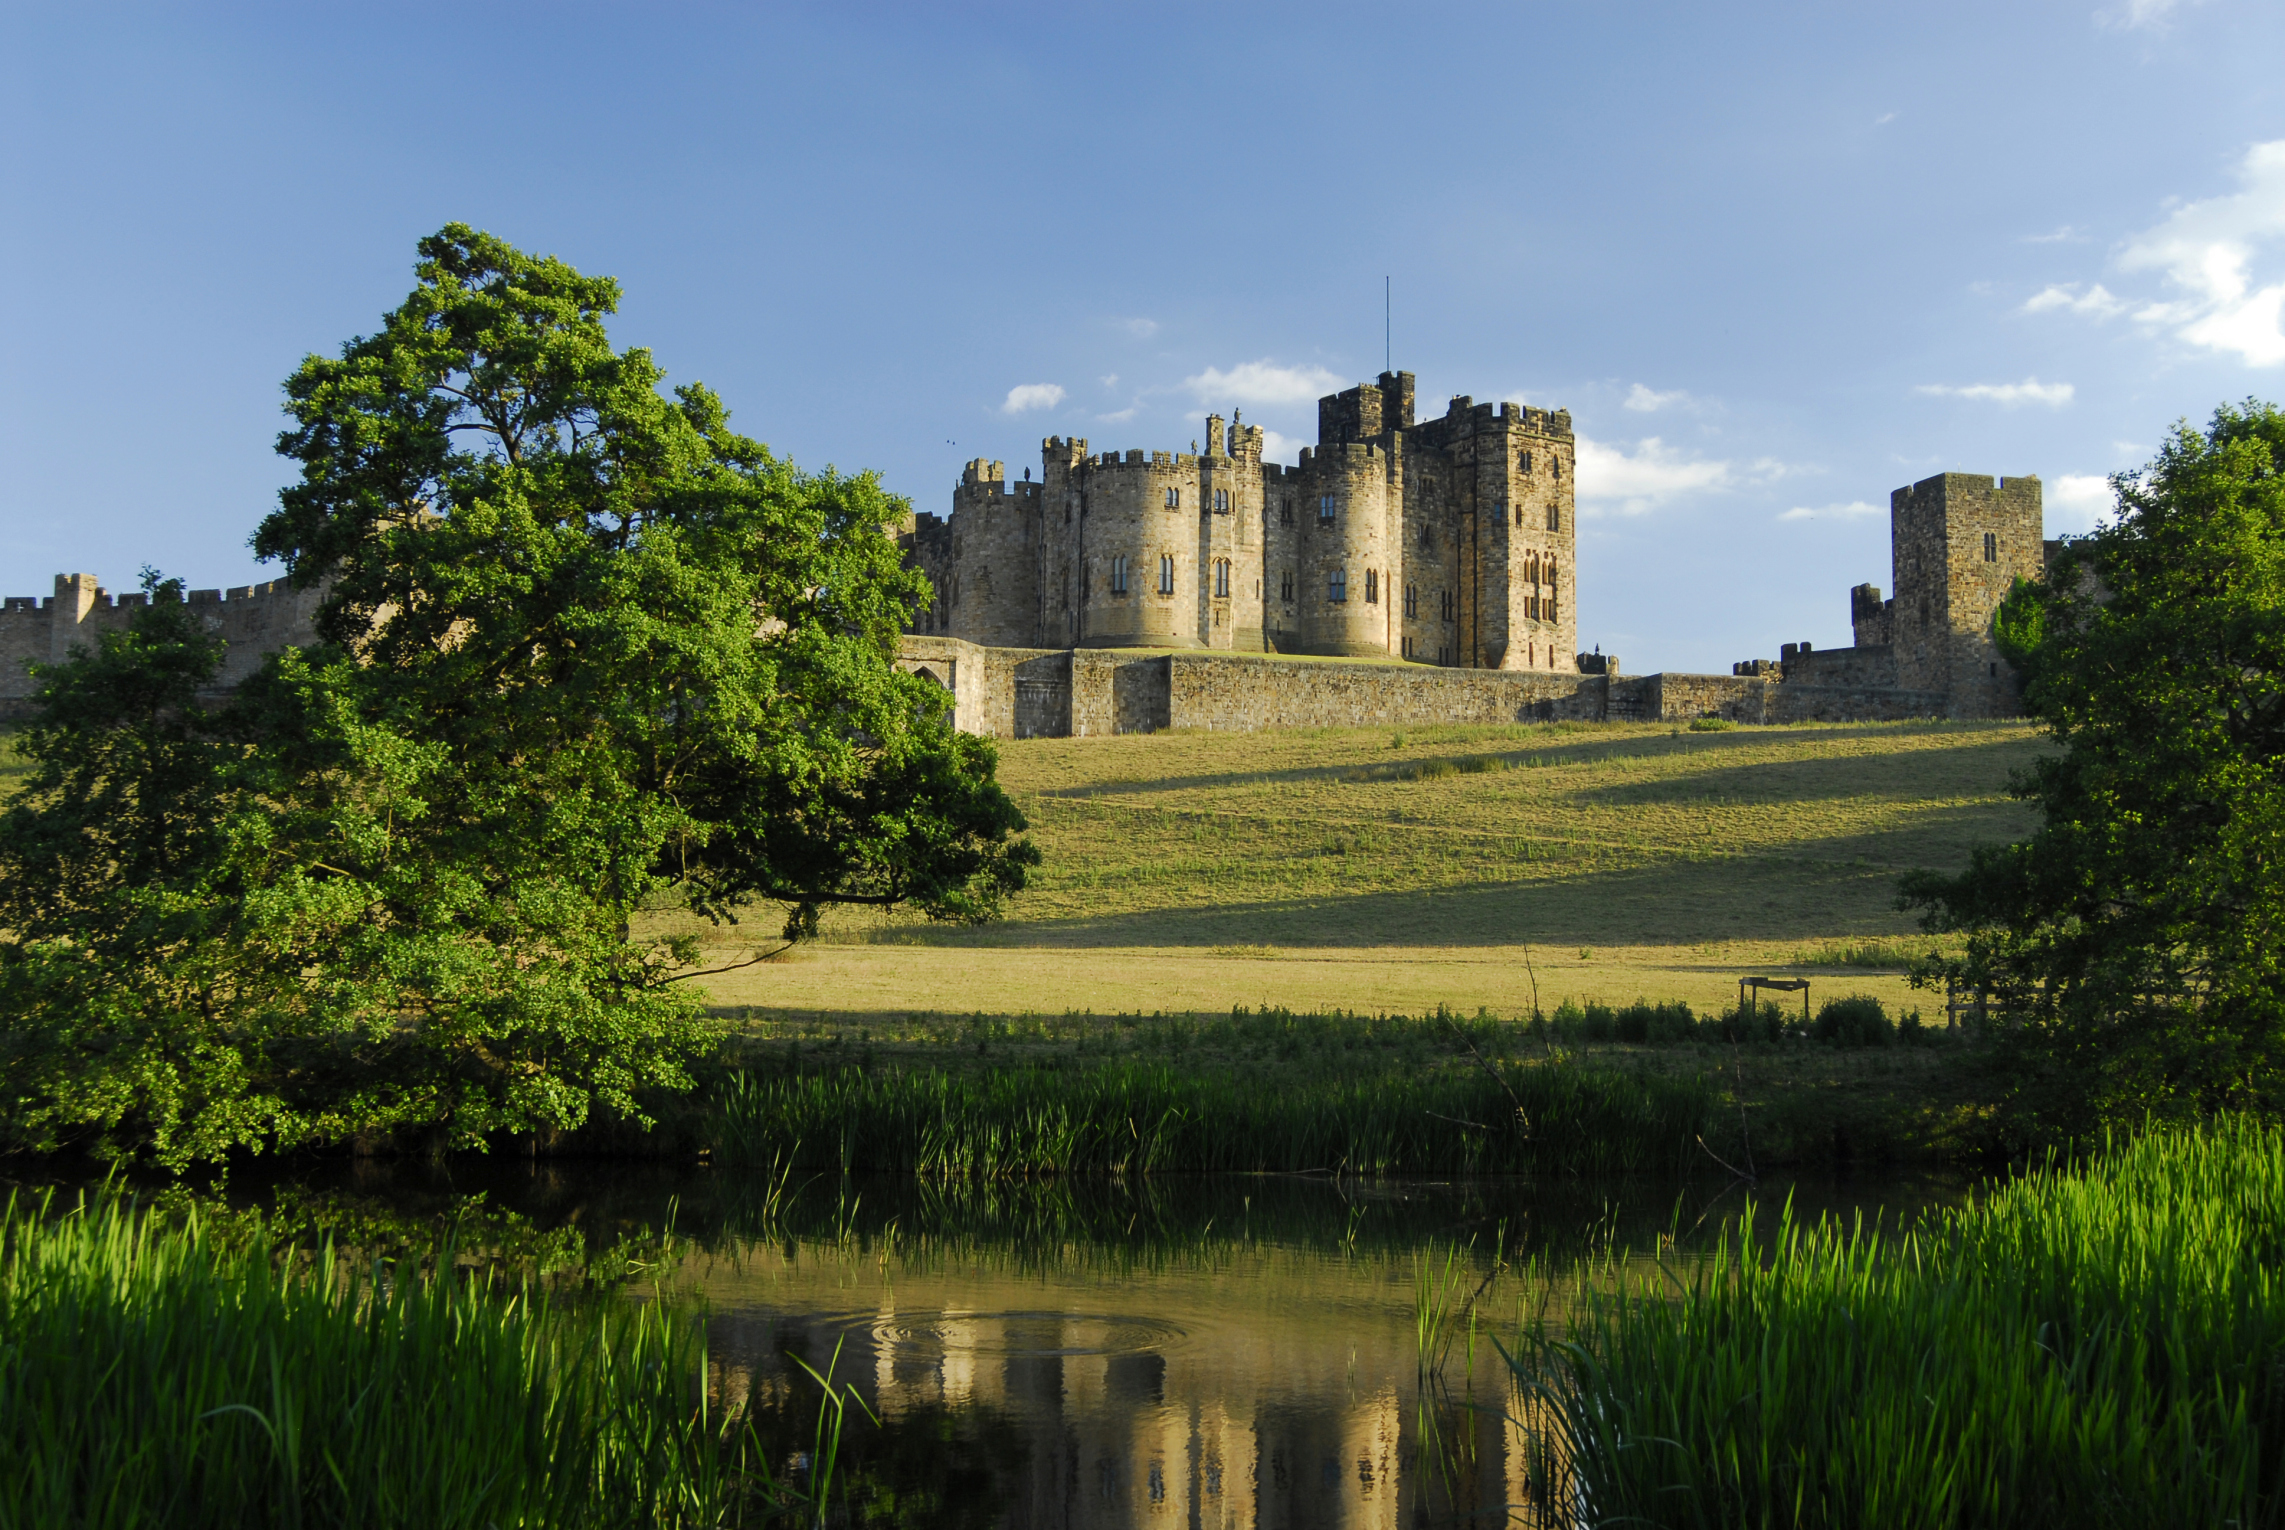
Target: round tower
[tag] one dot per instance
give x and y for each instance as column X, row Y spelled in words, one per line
column 1343, row 552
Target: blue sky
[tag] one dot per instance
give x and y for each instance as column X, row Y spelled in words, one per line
column 1776, row 261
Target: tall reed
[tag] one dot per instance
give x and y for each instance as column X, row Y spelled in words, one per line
column 156, row 1372
column 1139, row 1118
column 2104, row 1347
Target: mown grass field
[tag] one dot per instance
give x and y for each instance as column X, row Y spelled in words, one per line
column 1487, row 867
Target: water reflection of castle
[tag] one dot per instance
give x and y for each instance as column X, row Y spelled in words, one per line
column 1134, row 1423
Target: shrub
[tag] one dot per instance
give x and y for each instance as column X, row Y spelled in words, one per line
column 1711, row 725
column 1856, row 1021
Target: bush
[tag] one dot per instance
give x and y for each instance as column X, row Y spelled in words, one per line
column 1711, row 725
column 1856, row 1021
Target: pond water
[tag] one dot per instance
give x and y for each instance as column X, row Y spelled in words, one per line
column 1244, row 1351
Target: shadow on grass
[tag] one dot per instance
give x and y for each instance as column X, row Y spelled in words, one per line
column 1572, row 745
column 1834, row 888
column 1971, row 767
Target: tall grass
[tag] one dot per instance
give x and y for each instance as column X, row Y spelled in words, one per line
column 2104, row 1347
column 156, row 1372
column 1127, row 1117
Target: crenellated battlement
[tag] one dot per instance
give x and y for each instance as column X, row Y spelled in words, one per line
column 253, row 620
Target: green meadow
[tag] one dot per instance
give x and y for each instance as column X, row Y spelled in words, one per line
column 1492, row 867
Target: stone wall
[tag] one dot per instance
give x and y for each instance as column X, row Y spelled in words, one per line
column 252, row 620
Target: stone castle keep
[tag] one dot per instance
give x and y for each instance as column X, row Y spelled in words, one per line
column 1447, row 541
column 1416, row 572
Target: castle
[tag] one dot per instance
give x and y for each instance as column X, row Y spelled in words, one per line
column 1447, row 541
column 1144, row 591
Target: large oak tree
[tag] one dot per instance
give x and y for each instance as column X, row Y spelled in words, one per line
column 2136, row 942
column 586, row 651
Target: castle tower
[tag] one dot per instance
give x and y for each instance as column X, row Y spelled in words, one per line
column 1959, row 541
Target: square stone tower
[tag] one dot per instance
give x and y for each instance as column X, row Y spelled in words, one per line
column 1959, row 542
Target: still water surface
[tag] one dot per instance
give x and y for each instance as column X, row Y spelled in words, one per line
column 1208, row 1353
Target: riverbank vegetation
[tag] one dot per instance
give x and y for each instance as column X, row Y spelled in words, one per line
column 2087, row 1346
column 162, row 1369
column 1588, row 1089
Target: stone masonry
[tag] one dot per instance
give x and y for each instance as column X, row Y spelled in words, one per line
column 1957, row 544
column 1449, row 542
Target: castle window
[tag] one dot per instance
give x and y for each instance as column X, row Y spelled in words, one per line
column 1372, row 587
column 1411, row 606
column 1991, row 547
column 1174, row 499
column 1285, row 586
column 1519, row 515
column 1221, row 578
column 1554, row 518
column 1166, row 573
column 1555, row 466
column 1408, row 648
column 1285, row 512
column 1324, row 509
column 1221, row 501
column 1337, row 585
column 1086, row 585
column 1444, row 603
column 1427, row 538
column 1525, row 462
column 1118, row 576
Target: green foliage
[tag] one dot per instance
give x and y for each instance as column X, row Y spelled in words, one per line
column 155, row 1372
column 1855, row 1021
column 2135, row 943
column 2091, row 1349
column 1711, row 725
column 587, row 652
column 1141, row 1118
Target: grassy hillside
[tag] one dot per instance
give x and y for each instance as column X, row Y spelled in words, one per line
column 1378, row 869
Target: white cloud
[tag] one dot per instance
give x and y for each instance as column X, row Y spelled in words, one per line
column 1855, row 509
column 1611, row 479
column 2096, row 300
column 2206, row 250
column 1141, row 329
column 1111, row 381
column 1120, row 416
column 1280, row 448
column 2064, row 235
column 1644, row 401
column 2139, row 15
column 1032, row 396
column 2029, row 391
column 1263, row 382
column 2083, row 500
column 1885, row 118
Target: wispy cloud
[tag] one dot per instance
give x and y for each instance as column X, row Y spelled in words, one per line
column 2206, row 250
column 2140, row 15
column 1120, row 416
column 1111, row 380
column 1654, row 474
column 2064, row 235
column 1141, row 329
column 1645, row 401
column 2029, row 391
column 1027, row 396
column 1855, row 509
column 1885, row 118
column 1262, row 382
column 2096, row 300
